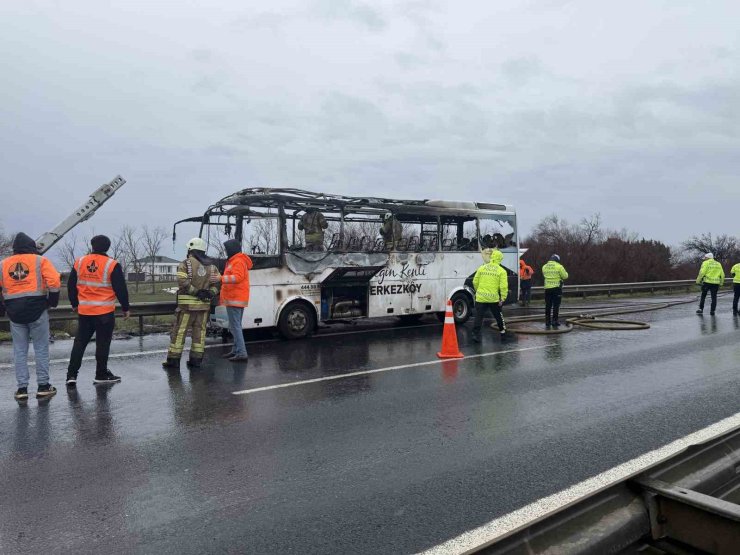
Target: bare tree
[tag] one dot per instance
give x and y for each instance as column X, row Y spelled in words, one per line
column 133, row 251
column 724, row 247
column 263, row 235
column 152, row 240
column 6, row 244
column 69, row 249
column 118, row 251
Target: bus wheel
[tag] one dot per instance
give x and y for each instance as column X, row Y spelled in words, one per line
column 297, row 320
column 462, row 307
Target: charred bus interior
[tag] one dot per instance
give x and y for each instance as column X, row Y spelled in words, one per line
column 354, row 236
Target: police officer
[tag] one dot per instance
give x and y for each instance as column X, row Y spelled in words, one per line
column 491, row 286
column 313, row 223
column 197, row 279
column 554, row 274
column 29, row 284
column 95, row 282
column 711, row 276
column 735, row 272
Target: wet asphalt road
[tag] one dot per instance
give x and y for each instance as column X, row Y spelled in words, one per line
column 387, row 462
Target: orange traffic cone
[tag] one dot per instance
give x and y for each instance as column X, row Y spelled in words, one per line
column 449, row 336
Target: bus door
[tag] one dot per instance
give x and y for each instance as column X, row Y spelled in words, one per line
column 344, row 292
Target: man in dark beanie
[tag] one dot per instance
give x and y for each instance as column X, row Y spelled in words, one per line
column 30, row 284
column 95, row 282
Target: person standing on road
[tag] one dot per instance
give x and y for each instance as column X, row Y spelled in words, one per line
column 525, row 279
column 711, row 277
column 491, row 286
column 30, row 285
column 197, row 282
column 554, row 274
column 235, row 295
column 735, row 272
column 95, row 282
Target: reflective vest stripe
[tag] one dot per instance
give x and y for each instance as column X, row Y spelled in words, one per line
column 26, row 294
column 98, row 303
column 106, row 271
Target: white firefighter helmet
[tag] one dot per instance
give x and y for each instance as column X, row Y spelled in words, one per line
column 197, row 244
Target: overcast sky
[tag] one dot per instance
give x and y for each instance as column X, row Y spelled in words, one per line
column 629, row 108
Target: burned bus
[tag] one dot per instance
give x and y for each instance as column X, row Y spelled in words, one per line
column 364, row 257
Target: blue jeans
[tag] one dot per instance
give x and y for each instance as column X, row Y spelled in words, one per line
column 235, row 314
column 38, row 333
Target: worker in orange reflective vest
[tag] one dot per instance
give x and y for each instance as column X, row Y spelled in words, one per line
column 30, row 284
column 95, row 282
column 525, row 282
column 235, row 295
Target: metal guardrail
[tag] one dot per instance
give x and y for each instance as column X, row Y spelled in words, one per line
column 686, row 504
column 138, row 310
column 614, row 288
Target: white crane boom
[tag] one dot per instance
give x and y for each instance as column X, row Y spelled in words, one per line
column 96, row 200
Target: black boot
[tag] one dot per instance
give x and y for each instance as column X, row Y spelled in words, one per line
column 172, row 363
column 194, row 362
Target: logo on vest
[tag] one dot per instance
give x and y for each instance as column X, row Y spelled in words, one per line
column 19, row 272
column 92, row 267
column 201, row 272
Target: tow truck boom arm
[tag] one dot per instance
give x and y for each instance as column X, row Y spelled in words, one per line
column 96, row 200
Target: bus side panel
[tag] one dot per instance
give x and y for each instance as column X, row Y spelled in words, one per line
column 458, row 266
column 259, row 313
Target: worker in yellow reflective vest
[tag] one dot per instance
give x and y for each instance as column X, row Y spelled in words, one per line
column 735, row 272
column 554, row 274
column 491, row 286
column 711, row 276
column 197, row 285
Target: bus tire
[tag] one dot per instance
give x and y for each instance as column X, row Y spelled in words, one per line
column 297, row 320
column 462, row 307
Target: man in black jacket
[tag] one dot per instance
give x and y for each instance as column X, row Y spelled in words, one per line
column 95, row 282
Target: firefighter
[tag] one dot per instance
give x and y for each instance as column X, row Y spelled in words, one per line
column 711, row 276
column 235, row 296
column 525, row 280
column 29, row 284
column 735, row 272
column 491, row 286
column 95, row 282
column 197, row 280
column 313, row 223
column 390, row 231
column 554, row 274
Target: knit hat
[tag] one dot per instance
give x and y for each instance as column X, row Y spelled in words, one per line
column 100, row 244
column 708, row 256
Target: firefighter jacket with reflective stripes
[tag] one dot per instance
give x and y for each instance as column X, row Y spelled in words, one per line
column 235, row 281
column 554, row 274
column 735, row 271
column 29, row 284
column 711, row 272
column 96, row 280
column 192, row 276
column 491, row 283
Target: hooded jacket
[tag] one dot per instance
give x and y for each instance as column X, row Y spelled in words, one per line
column 491, row 283
column 235, row 280
column 525, row 271
column 28, row 305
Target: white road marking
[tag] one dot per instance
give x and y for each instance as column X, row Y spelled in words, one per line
column 378, row 370
column 510, row 523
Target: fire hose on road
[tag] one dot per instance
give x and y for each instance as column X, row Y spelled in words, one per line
column 594, row 320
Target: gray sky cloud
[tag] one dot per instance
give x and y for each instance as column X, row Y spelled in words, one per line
column 629, row 109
